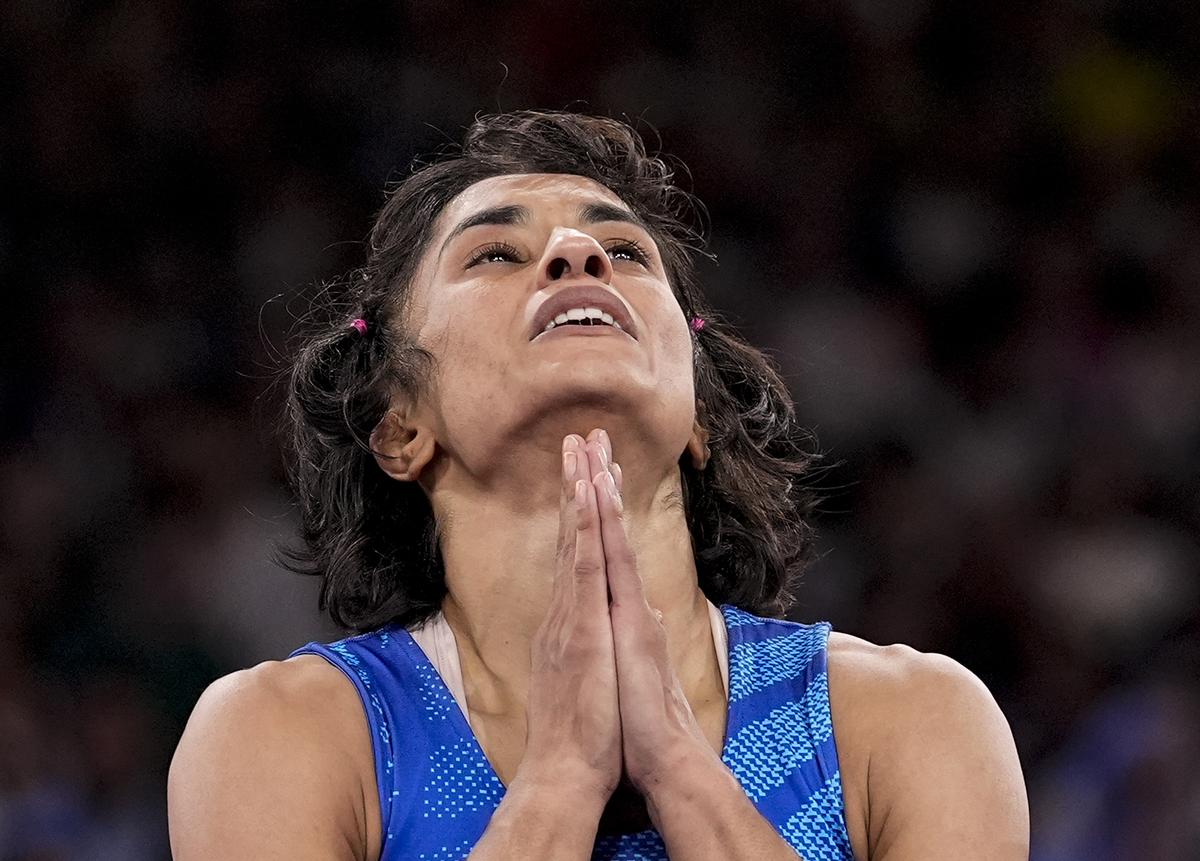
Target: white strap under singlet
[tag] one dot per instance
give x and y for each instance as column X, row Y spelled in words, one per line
column 437, row 642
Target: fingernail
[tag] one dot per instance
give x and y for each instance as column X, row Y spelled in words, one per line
column 568, row 463
column 612, row 491
column 567, row 443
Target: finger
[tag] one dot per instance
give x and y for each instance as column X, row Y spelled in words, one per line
column 576, row 445
column 572, row 471
column 615, row 469
column 594, row 454
column 565, row 544
column 569, row 473
column 600, row 435
column 575, row 465
column 591, row 588
column 620, row 563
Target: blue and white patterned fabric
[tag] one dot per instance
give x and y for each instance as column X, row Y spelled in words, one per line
column 438, row 791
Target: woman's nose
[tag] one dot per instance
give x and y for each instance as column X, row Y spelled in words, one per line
column 571, row 252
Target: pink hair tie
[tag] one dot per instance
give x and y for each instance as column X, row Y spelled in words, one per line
column 359, row 325
column 697, row 324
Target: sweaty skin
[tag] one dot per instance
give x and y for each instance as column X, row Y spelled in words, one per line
column 929, row 769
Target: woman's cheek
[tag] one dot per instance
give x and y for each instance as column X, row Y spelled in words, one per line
column 675, row 343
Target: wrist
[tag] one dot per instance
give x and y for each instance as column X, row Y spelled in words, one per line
column 540, row 820
column 689, row 770
column 577, row 796
column 695, row 772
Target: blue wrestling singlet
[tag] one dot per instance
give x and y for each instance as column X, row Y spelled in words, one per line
column 438, row 791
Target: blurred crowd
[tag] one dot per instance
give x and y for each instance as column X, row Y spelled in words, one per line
column 968, row 233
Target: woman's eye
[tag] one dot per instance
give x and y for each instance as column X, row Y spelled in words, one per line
column 628, row 251
column 500, row 252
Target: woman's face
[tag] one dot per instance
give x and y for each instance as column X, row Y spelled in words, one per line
column 511, row 253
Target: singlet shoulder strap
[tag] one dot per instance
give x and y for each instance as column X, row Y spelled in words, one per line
column 436, row 640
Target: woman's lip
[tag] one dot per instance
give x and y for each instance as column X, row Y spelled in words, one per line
column 588, row 331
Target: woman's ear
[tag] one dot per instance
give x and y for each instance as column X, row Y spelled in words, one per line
column 402, row 447
column 698, row 443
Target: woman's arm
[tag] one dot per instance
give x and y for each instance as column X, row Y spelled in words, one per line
column 275, row 763
column 940, row 777
column 944, row 781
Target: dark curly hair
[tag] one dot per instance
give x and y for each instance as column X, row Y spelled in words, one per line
column 373, row 540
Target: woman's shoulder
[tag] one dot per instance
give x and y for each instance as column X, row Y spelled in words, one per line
column 305, row 685
column 301, row 696
column 915, row 731
column 896, row 666
column 878, row 686
column 257, row 745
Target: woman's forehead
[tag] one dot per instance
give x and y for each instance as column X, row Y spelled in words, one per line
column 531, row 190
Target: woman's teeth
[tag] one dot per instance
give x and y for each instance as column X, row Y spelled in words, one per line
column 593, row 316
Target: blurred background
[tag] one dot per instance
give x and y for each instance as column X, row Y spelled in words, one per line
column 969, row 233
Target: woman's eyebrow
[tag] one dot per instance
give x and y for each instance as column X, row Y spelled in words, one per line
column 592, row 213
column 512, row 214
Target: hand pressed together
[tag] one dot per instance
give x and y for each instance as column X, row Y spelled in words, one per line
column 604, row 695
